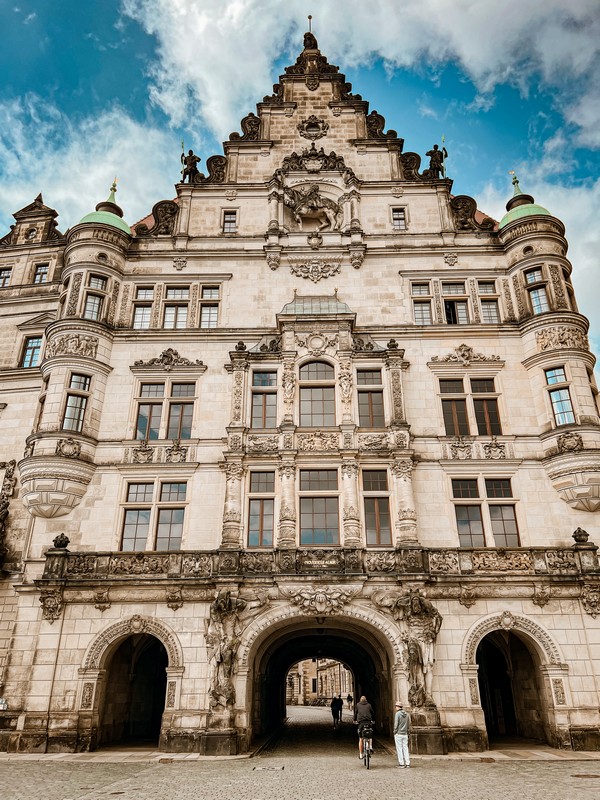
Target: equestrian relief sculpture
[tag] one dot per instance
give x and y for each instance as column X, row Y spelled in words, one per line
column 307, row 203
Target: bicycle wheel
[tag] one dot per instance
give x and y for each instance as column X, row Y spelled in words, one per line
column 367, row 755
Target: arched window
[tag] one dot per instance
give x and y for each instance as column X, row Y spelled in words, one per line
column 317, row 395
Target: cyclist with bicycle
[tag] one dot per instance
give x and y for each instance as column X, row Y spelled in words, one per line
column 364, row 717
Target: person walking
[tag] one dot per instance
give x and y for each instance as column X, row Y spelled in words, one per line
column 349, row 700
column 363, row 714
column 401, row 732
column 340, row 703
column 335, row 711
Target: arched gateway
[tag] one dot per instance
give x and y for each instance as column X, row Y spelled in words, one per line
column 367, row 642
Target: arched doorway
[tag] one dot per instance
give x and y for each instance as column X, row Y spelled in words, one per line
column 134, row 695
column 366, row 654
column 511, row 688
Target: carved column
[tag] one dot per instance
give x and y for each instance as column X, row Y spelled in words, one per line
column 286, row 537
column 406, row 523
column 351, row 518
column 289, row 389
column 239, row 367
column 354, row 208
column 232, row 512
column 345, row 383
column 274, row 220
column 395, row 364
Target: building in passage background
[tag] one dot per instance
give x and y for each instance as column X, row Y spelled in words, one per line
column 316, row 405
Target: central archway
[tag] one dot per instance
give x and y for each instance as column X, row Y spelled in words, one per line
column 368, row 653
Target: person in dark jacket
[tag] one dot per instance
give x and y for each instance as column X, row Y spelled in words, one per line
column 401, row 731
column 363, row 713
column 336, row 708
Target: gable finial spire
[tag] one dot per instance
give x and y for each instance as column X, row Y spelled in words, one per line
column 310, row 23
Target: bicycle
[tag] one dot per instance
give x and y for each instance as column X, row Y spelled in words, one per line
column 367, row 740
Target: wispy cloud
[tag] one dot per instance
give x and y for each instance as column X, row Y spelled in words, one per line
column 80, row 160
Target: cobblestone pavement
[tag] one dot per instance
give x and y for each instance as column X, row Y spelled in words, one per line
column 309, row 761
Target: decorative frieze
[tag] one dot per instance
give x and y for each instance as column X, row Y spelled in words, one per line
column 321, row 601
column 501, row 561
column 444, row 561
column 176, row 454
column 561, row 337
column 197, row 565
column 317, row 442
column 139, row 564
column 261, row 445
column 494, row 450
column 167, row 360
column 373, row 441
column 72, row 344
column 315, row 268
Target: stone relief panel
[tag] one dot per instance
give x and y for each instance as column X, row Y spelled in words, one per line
column 321, row 601
column 72, row 344
column 561, row 337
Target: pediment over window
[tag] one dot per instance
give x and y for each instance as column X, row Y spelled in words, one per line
column 38, row 322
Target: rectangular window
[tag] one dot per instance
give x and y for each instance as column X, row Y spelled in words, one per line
column 141, row 317
column 144, row 293
column 317, row 406
column 180, row 421
column 31, row 351
column 40, row 274
column 166, row 516
column 74, row 413
column 209, row 314
column 456, row 312
column 261, row 509
column 486, row 287
column 97, row 282
column 487, row 416
column 504, row 526
column 377, row 509
column 422, row 312
column 489, row 312
column 210, row 292
column 150, row 424
column 464, row 487
column 455, row 417
column 539, row 300
column 534, row 275
column 370, row 401
column 498, row 488
column 175, row 317
column 5, row 277
column 93, row 307
column 449, row 289
column 452, row 386
column 562, row 407
column 470, row 526
column 319, row 516
column 178, row 292
column 399, row 219
column 264, row 400
column 420, row 290
column 556, row 375
column 229, row 221
column 148, row 421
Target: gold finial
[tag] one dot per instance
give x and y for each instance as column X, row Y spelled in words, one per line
column 310, row 23
column 113, row 188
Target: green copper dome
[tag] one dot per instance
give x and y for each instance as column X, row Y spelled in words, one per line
column 520, row 206
column 108, row 213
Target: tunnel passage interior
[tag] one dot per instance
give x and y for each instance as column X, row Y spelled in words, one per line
column 510, row 688
column 366, row 657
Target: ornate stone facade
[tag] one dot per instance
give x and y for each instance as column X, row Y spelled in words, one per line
column 300, row 460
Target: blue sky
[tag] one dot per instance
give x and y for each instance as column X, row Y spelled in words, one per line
column 103, row 87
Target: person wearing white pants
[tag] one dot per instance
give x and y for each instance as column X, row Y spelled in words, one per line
column 401, row 732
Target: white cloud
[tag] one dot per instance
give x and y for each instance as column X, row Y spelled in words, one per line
column 215, row 57
column 74, row 163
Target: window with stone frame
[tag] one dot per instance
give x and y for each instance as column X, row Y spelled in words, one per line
column 398, row 218
column 77, row 397
column 485, row 405
column 153, row 515
column 456, row 305
column 485, row 512
column 40, row 273
column 319, row 507
column 30, row 356
column 559, row 395
column 317, row 395
column 537, row 290
column 165, row 410
column 261, row 509
column 376, row 500
column 264, row 399
column 92, row 309
column 142, row 307
column 370, row 398
column 210, row 297
column 5, row 275
column 454, row 406
column 230, row 221
column 175, row 314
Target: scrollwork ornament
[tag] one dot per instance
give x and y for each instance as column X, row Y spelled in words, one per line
column 234, row 471
column 402, row 467
column 321, row 601
column 590, row 599
column 52, row 604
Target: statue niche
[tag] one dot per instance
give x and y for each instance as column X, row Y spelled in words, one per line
column 312, row 211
